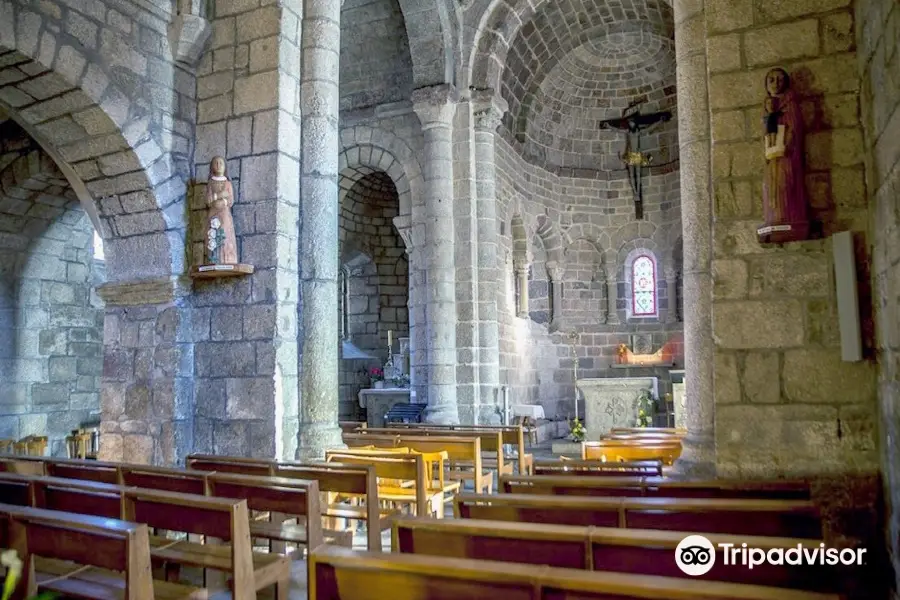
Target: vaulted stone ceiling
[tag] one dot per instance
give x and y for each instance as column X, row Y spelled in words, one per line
column 579, row 62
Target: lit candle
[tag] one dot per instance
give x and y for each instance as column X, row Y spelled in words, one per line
column 390, row 338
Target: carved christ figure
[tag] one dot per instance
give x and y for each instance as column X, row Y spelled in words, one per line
column 785, row 206
column 221, row 245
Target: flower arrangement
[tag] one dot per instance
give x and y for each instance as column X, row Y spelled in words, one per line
column 10, row 559
column 215, row 236
column 577, row 430
column 376, row 374
column 646, row 406
column 400, row 381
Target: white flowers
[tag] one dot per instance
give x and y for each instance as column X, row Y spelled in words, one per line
column 215, row 223
column 212, row 235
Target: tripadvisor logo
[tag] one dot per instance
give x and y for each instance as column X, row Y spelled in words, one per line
column 695, row 555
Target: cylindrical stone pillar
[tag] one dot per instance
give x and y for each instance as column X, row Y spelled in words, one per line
column 556, row 272
column 698, row 457
column 436, row 107
column 612, row 293
column 488, row 111
column 319, row 265
column 671, row 295
column 521, row 266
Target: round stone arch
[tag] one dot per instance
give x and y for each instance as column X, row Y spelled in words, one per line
column 549, row 235
column 591, row 232
column 432, row 27
column 100, row 138
column 497, row 30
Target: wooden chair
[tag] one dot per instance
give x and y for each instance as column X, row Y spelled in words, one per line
column 779, row 518
column 647, row 552
column 341, row 574
column 422, row 499
column 109, row 558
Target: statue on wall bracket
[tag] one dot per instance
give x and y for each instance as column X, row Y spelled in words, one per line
column 785, row 206
column 632, row 122
column 219, row 240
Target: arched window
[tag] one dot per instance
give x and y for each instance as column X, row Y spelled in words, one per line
column 643, row 287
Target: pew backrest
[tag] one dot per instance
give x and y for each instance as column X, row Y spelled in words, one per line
column 648, row 468
column 182, row 481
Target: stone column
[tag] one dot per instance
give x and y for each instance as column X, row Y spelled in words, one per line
column 556, row 272
column 698, row 458
column 319, row 264
column 521, row 266
column 612, row 292
column 488, row 111
column 435, row 107
column 671, row 294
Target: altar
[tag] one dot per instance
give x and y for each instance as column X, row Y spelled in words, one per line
column 612, row 402
column 378, row 402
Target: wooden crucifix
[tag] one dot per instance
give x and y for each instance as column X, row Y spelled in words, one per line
column 632, row 122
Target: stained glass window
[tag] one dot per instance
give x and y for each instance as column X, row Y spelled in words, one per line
column 643, row 287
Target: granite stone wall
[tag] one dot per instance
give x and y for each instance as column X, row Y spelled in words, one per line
column 784, row 401
column 878, row 56
column 50, row 324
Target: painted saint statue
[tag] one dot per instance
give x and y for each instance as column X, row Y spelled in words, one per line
column 785, row 206
column 221, row 245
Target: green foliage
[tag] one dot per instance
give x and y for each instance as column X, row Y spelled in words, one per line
column 646, row 405
column 10, row 559
column 577, row 431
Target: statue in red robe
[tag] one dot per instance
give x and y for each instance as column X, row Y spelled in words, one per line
column 785, row 205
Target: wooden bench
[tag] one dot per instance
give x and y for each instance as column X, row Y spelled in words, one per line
column 635, row 551
column 341, row 574
column 677, row 431
column 111, row 557
column 648, row 468
column 778, row 518
column 279, row 495
column 627, row 486
column 513, row 435
column 631, row 450
column 459, row 450
column 421, row 497
column 333, row 478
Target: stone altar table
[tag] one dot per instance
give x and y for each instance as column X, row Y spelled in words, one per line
column 612, row 402
column 378, row 402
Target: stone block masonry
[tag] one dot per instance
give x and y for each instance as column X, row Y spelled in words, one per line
column 784, row 401
column 878, row 56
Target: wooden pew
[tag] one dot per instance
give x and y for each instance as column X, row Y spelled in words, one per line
column 294, row 497
column 491, row 444
column 658, row 487
column 114, row 556
column 778, row 518
column 16, row 489
column 646, row 468
column 458, row 450
column 333, row 478
column 676, row 431
column 513, row 435
column 182, row 481
column 405, row 467
column 341, row 574
column 630, row 450
column 636, row 551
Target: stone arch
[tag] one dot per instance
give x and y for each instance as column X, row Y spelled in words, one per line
column 432, row 28
column 549, row 235
column 591, row 232
column 632, row 233
column 365, row 148
column 101, row 135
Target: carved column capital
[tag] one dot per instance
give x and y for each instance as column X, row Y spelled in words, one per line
column 403, row 223
column 435, row 105
column 556, row 271
column 488, row 110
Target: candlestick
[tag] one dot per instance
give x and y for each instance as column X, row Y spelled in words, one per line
column 390, row 338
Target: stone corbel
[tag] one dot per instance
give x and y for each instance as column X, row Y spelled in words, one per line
column 149, row 291
column 403, row 223
column 189, row 31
